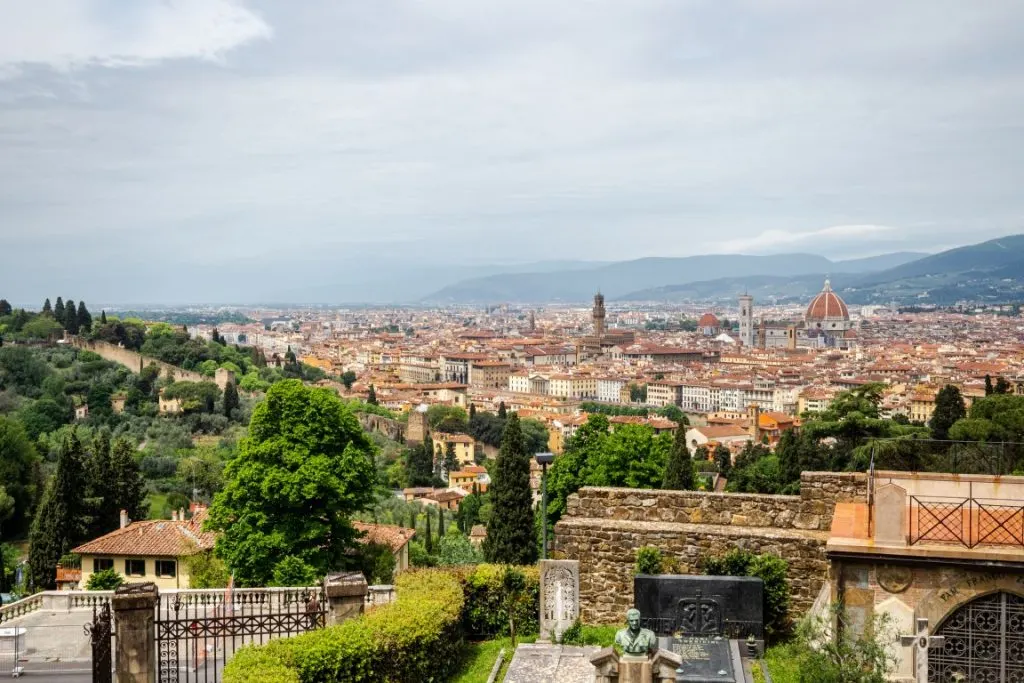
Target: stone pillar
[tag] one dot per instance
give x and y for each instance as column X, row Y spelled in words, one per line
column 664, row 664
column 635, row 669
column 134, row 607
column 606, row 666
column 346, row 596
column 890, row 515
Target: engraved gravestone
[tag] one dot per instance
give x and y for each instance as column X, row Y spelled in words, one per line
column 700, row 606
column 704, row 659
column 559, row 597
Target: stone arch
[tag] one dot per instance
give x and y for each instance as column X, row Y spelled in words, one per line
column 939, row 604
column 983, row 640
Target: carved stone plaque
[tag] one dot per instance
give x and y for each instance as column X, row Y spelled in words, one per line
column 559, row 596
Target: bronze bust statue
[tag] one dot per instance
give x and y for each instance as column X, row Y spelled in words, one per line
column 635, row 640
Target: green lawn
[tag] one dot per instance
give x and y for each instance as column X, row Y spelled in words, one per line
column 480, row 657
column 782, row 665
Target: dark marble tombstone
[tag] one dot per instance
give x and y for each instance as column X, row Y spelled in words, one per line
column 700, row 606
column 705, row 659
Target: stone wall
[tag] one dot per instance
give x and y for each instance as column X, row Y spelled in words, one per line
column 604, row 527
column 392, row 429
column 134, row 361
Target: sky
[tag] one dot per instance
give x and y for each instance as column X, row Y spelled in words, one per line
column 234, row 150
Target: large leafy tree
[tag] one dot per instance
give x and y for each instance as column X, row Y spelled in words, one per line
column 679, row 469
column 19, row 474
column 304, row 469
column 510, row 530
column 949, row 407
column 62, row 520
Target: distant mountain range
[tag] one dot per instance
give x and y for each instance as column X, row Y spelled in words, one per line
column 989, row 271
column 643, row 278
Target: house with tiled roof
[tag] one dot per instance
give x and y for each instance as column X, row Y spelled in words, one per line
column 391, row 536
column 150, row 550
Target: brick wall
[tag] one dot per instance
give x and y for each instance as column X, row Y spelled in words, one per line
column 604, row 527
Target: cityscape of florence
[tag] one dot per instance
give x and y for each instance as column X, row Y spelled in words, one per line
column 655, row 342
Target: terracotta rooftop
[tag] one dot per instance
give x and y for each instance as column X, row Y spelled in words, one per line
column 162, row 538
column 389, row 535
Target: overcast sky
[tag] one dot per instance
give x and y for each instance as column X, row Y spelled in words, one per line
column 204, row 146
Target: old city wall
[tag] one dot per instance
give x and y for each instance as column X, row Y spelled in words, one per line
column 392, row 429
column 133, row 360
column 604, row 527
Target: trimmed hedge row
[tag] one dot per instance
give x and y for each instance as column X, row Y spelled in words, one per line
column 487, row 604
column 416, row 639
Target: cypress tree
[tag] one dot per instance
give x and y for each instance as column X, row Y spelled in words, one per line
column 440, row 523
column 103, row 317
column 679, row 468
column 70, row 317
column 1002, row 386
column 988, row 385
column 371, row 397
column 420, row 464
column 428, row 543
column 788, row 452
column 5, row 307
column 83, row 318
column 47, row 308
column 723, row 459
column 450, row 462
column 129, row 488
column 104, row 515
column 510, row 530
column 472, row 410
column 58, row 311
column 949, row 407
column 230, row 398
column 502, row 411
column 59, row 522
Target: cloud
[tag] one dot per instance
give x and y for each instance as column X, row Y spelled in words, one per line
column 819, row 241
column 72, row 34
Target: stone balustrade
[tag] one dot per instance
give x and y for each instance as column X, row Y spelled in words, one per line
column 21, row 607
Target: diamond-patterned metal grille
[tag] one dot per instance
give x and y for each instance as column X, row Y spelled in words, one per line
column 984, row 643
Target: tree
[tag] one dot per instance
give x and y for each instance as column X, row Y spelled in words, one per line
column 679, row 468
column 371, row 396
column 206, row 570
column 70, row 317
column 230, row 398
column 472, row 411
column 454, row 548
column 949, row 407
column 103, row 317
column 723, row 459
column 510, row 531
column 451, row 463
column 989, row 389
column 1002, row 386
column 105, row 580
column 58, row 310
column 5, row 307
column 420, row 464
column 83, row 318
column 128, row 491
column 428, row 540
column 502, row 411
column 348, row 378
column 674, row 413
column 19, row 472
column 303, row 470
column 47, row 308
column 61, row 521
column 468, row 514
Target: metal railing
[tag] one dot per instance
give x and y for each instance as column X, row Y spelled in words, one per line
column 968, row 521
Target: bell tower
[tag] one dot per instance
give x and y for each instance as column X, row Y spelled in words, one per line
column 599, row 315
column 747, row 320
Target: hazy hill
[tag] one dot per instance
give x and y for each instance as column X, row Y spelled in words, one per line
column 764, row 288
column 616, row 280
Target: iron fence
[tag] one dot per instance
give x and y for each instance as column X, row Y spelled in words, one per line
column 198, row 632
column 966, row 521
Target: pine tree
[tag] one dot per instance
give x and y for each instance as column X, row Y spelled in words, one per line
column 420, row 464
column 679, row 468
column 58, row 311
column 230, row 398
column 104, row 516
column 59, row 522
column 215, row 337
column 70, row 317
column 5, row 307
column 83, row 318
column 510, row 530
column 502, row 412
column 47, row 308
column 988, row 385
column 103, row 317
column 371, row 397
column 949, row 407
column 472, row 410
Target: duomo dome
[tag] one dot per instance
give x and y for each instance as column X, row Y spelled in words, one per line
column 827, row 311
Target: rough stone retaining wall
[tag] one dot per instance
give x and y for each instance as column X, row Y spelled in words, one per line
column 134, row 361
column 604, row 527
column 393, row 429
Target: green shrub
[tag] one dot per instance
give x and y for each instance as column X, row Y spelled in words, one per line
column 851, row 655
column 106, row 580
column 769, row 568
column 648, row 560
column 583, row 634
column 487, row 603
column 414, row 639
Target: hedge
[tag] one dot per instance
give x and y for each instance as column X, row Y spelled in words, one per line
column 416, row 639
column 487, row 607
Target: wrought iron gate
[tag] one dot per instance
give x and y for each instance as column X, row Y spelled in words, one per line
column 101, row 633
column 984, row 643
column 196, row 634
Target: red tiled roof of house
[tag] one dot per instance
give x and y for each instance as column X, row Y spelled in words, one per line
column 389, row 535
column 162, row 537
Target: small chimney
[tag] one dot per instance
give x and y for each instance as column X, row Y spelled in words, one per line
column 124, row 518
column 181, row 514
column 174, row 515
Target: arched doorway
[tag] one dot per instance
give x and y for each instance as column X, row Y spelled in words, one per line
column 984, row 642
